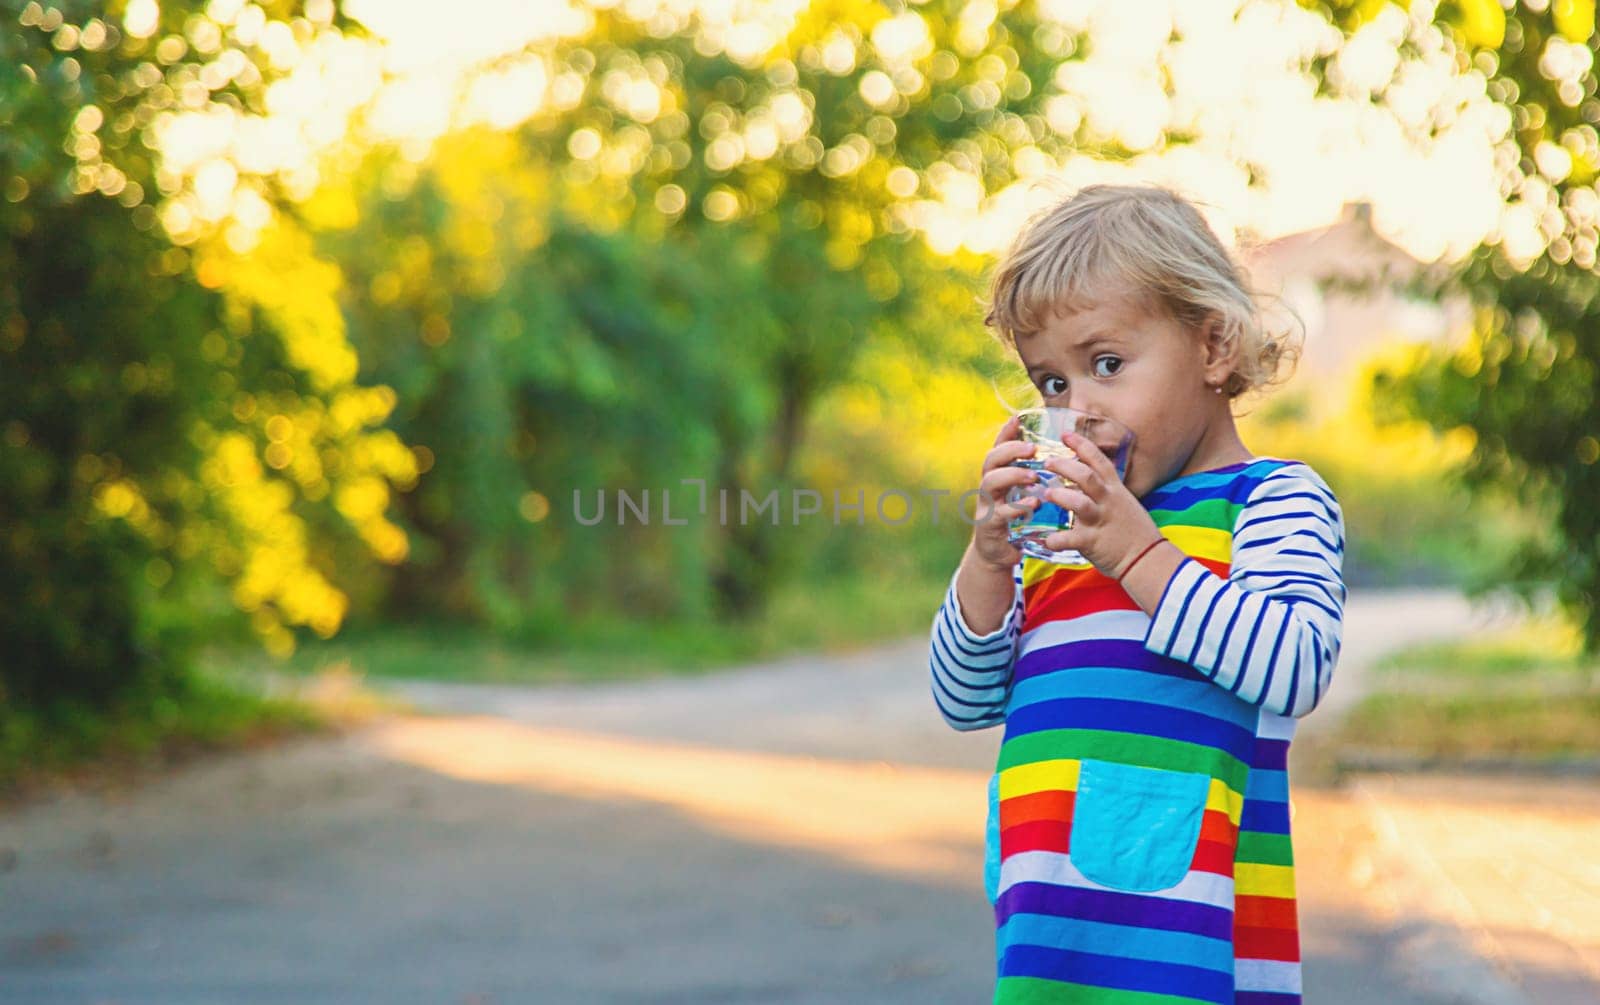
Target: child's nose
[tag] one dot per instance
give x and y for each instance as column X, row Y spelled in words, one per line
column 1084, row 403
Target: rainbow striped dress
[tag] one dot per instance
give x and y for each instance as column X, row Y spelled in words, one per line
column 1139, row 848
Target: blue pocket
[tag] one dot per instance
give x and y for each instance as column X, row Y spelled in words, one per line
column 1136, row 828
column 991, row 842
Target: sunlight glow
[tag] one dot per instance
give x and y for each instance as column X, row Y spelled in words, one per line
column 1266, row 155
column 1239, row 89
column 895, row 819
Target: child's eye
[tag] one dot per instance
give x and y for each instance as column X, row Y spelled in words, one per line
column 1115, row 363
column 1050, row 391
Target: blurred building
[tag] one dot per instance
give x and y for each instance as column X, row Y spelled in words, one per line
column 1336, row 278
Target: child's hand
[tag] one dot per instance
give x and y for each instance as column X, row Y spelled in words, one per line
column 1110, row 526
column 994, row 513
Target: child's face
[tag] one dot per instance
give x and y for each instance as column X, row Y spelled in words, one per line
column 1143, row 369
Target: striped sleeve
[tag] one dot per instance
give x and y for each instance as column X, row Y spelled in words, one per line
column 1270, row 632
column 971, row 673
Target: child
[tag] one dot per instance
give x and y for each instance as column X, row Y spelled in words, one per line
column 1139, row 814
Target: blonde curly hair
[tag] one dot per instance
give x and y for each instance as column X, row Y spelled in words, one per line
column 1155, row 241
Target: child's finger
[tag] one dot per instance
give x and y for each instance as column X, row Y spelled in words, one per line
column 1006, row 452
column 997, row 500
column 1077, row 472
column 1007, row 512
column 995, row 516
column 1064, row 540
column 998, row 481
column 1091, row 454
column 1075, row 500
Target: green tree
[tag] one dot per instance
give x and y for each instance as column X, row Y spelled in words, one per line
column 178, row 429
column 684, row 237
column 1527, row 381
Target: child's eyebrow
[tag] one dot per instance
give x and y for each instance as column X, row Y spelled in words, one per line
column 1095, row 338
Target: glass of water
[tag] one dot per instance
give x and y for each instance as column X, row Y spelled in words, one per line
column 1043, row 428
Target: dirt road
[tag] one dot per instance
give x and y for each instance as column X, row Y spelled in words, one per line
column 807, row 831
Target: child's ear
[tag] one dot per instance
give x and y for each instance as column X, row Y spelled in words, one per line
column 1219, row 350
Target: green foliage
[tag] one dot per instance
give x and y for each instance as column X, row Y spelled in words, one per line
column 627, row 293
column 1527, row 383
column 1451, row 726
column 65, row 569
column 1408, row 518
column 826, row 612
column 1523, row 656
column 689, row 264
column 143, row 727
column 150, row 394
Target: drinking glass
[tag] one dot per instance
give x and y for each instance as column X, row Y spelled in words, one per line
column 1043, row 428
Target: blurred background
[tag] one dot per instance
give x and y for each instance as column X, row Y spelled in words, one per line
column 321, row 325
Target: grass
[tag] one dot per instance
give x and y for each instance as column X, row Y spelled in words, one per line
column 1535, row 650
column 845, row 614
column 1462, row 725
column 1523, row 692
column 74, row 745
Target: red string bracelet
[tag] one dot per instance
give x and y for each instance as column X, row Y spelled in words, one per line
column 1141, row 554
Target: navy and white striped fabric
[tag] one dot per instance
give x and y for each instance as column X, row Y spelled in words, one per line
column 972, row 672
column 1270, row 632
